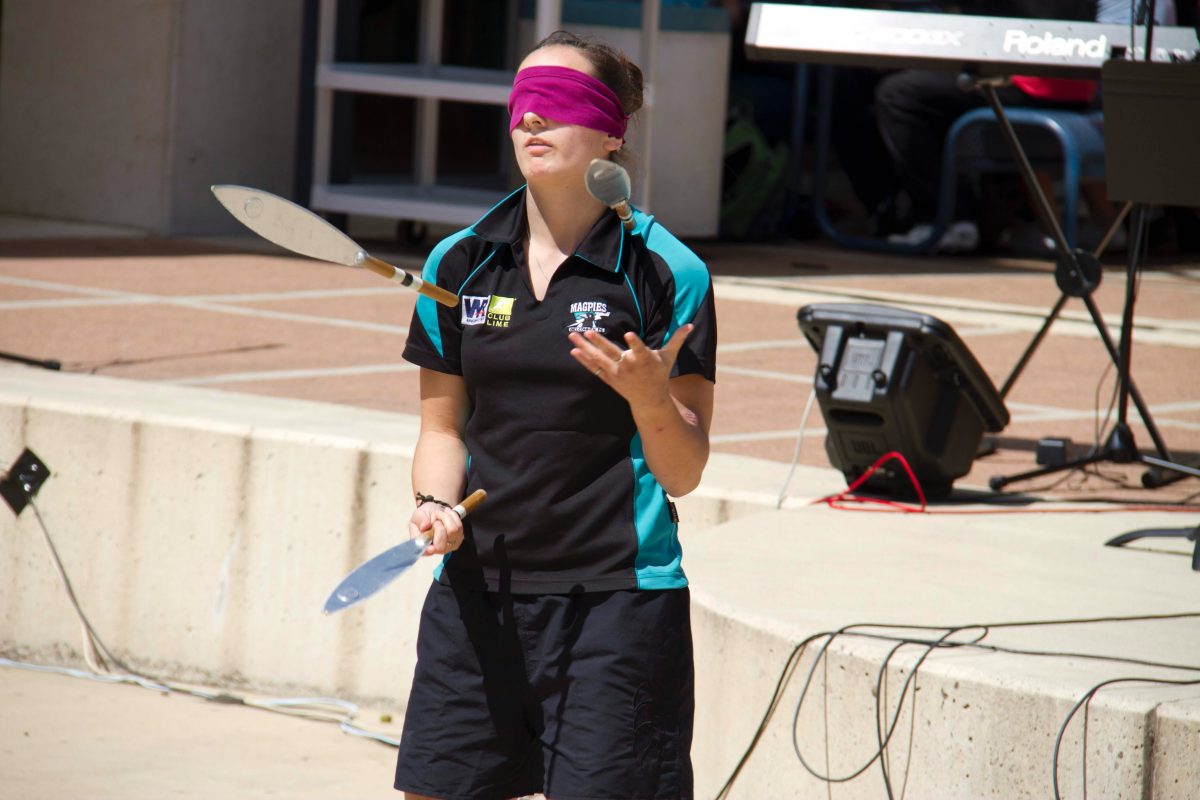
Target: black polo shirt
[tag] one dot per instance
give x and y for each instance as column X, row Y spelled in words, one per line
column 571, row 504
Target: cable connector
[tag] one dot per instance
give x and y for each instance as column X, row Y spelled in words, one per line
column 23, row 480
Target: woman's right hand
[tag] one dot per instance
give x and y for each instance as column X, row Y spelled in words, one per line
column 439, row 524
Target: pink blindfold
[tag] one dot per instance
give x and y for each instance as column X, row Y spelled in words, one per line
column 565, row 95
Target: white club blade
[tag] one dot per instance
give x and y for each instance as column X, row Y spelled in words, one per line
column 607, row 181
column 288, row 225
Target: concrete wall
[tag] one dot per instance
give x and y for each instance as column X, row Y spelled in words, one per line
column 203, row 535
column 123, row 112
column 203, row 531
column 969, row 731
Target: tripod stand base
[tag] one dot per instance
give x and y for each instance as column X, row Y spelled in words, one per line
column 1119, row 449
column 1155, row 477
column 1191, row 534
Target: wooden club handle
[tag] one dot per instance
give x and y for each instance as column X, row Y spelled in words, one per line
column 471, row 503
column 430, row 290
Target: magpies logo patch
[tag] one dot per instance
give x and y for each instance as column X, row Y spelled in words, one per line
column 587, row 315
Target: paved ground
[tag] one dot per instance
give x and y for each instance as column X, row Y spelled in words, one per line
column 239, row 317
column 233, row 316
column 64, row 738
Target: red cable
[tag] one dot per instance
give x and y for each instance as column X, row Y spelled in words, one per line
column 834, row 500
column 848, row 494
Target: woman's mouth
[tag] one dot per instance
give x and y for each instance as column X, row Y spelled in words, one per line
column 536, row 145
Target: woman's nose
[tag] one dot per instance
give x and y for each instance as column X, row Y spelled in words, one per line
column 532, row 120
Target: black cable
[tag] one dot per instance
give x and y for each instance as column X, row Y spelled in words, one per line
column 880, row 679
column 1087, row 708
column 1087, row 699
column 789, row 667
column 930, row 645
column 880, row 683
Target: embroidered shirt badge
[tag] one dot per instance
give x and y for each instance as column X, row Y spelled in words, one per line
column 587, row 315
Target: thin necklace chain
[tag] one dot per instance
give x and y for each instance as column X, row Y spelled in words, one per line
column 538, row 263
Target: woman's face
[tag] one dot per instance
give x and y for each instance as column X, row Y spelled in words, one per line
column 554, row 153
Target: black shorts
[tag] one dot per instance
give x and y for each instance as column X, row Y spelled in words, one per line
column 582, row 696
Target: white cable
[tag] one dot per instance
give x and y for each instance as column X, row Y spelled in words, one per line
column 306, row 707
column 95, row 653
column 354, row 730
column 137, row 680
column 796, row 453
column 101, row 661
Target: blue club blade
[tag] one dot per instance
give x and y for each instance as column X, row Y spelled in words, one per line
column 371, row 576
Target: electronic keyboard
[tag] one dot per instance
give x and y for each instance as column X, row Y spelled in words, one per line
column 984, row 46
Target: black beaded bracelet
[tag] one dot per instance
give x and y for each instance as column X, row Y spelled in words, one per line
column 428, row 498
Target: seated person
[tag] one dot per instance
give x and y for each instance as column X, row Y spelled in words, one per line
column 915, row 109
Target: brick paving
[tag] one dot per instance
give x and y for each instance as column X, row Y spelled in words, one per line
column 241, row 317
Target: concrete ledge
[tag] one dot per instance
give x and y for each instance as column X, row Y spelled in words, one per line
column 204, row 529
column 985, row 723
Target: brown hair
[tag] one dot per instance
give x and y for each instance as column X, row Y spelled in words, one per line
column 612, row 67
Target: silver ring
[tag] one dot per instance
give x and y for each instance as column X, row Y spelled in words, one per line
column 598, row 371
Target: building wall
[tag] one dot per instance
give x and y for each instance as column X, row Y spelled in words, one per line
column 124, row 111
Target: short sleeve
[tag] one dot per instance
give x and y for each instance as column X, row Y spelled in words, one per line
column 699, row 353
column 686, row 297
column 435, row 334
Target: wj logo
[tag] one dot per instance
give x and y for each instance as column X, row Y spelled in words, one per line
column 491, row 310
column 586, row 316
column 474, row 309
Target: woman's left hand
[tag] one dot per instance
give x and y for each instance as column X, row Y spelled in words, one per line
column 638, row 374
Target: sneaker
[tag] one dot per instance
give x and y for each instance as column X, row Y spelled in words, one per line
column 959, row 237
column 915, row 235
column 1026, row 239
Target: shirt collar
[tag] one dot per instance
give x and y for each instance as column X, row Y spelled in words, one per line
column 602, row 247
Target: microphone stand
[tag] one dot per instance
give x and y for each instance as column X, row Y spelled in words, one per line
column 1077, row 274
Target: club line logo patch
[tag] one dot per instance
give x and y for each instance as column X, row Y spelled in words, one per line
column 586, row 315
column 474, row 309
column 499, row 311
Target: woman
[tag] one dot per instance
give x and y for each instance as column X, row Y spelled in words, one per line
column 574, row 382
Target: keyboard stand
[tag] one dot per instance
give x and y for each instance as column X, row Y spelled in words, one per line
column 1077, row 273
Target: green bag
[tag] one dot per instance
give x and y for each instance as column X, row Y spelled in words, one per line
column 754, row 190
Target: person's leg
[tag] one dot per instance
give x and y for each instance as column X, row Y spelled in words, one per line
column 915, row 109
column 468, row 729
column 1035, row 237
column 614, row 681
column 855, row 137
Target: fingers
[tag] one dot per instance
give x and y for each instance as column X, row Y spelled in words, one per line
column 596, row 354
column 447, row 532
column 671, row 349
column 636, row 345
column 440, row 525
column 603, row 358
column 596, row 346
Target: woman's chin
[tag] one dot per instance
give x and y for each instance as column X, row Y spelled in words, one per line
column 542, row 173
